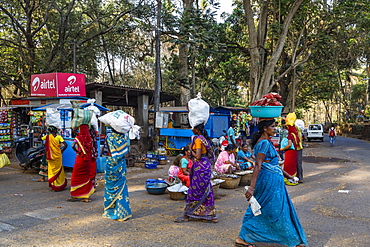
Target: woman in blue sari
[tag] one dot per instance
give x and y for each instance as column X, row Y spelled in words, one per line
column 116, row 198
column 278, row 221
column 200, row 203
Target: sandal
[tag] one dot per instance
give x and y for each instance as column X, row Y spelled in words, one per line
column 181, row 220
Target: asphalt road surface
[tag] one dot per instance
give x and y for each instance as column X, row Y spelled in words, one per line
column 332, row 203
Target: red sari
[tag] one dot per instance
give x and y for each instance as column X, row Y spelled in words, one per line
column 290, row 156
column 81, row 182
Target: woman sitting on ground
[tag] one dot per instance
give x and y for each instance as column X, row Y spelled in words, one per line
column 185, row 166
column 245, row 159
column 225, row 163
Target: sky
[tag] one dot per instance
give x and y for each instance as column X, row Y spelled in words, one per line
column 225, row 6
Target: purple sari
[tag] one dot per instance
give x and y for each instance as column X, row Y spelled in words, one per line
column 200, row 203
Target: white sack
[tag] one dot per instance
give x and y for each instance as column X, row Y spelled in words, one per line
column 53, row 118
column 198, row 111
column 121, row 122
column 92, row 107
column 94, row 122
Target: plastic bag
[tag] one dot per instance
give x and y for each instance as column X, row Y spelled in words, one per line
column 284, row 142
column 198, row 111
column 92, row 107
column 53, row 118
column 4, row 160
column 94, row 122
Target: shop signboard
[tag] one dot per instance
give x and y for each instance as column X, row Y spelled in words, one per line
column 58, row 85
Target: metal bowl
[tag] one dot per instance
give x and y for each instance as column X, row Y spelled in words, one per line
column 156, row 188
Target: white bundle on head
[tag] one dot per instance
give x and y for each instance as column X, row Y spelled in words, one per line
column 92, row 107
column 198, row 111
column 121, row 122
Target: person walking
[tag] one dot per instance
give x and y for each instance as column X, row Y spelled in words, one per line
column 82, row 186
column 231, row 134
column 278, row 222
column 299, row 155
column 291, row 154
column 116, row 197
column 54, row 148
column 200, row 202
column 332, row 135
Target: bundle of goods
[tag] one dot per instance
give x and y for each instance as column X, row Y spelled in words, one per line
column 270, row 99
column 267, row 107
column 53, row 118
column 198, row 111
column 121, row 122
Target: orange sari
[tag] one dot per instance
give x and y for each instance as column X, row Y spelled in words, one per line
column 56, row 177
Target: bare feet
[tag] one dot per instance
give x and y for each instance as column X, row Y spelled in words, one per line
column 241, row 242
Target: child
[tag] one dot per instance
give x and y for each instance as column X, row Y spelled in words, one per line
column 244, row 158
column 173, row 171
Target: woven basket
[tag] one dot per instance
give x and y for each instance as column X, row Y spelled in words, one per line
column 215, row 189
column 230, row 183
column 245, row 179
column 177, row 195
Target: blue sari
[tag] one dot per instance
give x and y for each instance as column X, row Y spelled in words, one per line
column 116, row 198
column 278, row 222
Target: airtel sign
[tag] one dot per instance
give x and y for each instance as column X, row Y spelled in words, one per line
column 58, row 85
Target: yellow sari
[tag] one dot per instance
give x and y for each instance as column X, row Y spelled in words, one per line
column 56, row 177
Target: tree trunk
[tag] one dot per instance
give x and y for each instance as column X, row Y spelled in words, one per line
column 261, row 74
column 183, row 60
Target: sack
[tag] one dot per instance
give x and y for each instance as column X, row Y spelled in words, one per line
column 119, row 120
column 198, row 111
column 53, row 118
column 331, row 133
column 284, row 142
column 81, row 116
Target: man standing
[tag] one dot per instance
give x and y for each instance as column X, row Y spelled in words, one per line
column 231, row 133
column 300, row 126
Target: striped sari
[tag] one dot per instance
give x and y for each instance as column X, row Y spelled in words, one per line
column 56, row 177
column 116, row 198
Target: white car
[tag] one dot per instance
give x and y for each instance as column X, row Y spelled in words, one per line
column 315, row 131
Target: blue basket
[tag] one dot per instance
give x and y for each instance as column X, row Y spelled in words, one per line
column 151, row 165
column 266, row 111
column 162, row 157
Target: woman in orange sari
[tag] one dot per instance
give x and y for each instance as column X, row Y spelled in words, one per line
column 81, row 181
column 54, row 146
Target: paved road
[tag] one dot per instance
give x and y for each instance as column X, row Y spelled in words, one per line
column 33, row 215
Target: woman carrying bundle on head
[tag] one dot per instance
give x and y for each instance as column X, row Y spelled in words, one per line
column 200, row 202
column 278, row 221
column 82, row 186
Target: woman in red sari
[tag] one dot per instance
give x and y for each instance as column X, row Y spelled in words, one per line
column 290, row 160
column 81, row 183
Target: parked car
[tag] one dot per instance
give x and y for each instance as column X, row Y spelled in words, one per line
column 315, row 131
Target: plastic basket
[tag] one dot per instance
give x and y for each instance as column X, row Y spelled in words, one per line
column 152, row 165
column 266, row 111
